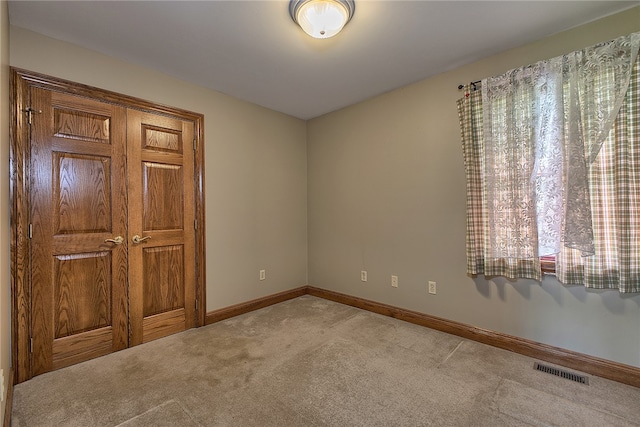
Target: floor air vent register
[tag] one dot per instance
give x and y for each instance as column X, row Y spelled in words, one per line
column 582, row 379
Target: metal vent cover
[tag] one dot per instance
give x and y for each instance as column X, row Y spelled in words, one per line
column 582, row 379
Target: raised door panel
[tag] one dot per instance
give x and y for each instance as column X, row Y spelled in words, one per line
column 79, row 208
column 162, row 183
column 161, row 211
column 163, row 279
column 78, row 201
column 81, row 285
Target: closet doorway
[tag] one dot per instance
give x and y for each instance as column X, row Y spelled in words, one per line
column 107, row 222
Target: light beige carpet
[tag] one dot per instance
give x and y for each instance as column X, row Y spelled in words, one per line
column 312, row 362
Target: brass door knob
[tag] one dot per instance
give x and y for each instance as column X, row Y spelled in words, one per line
column 118, row 240
column 138, row 239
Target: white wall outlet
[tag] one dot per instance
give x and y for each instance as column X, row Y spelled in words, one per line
column 363, row 275
column 432, row 287
column 394, row 281
column 263, row 274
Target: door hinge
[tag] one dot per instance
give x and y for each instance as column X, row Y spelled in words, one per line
column 196, row 305
column 30, row 231
column 195, row 144
column 195, row 224
column 31, row 345
column 30, row 112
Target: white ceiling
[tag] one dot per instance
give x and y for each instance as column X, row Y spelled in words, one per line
column 252, row 50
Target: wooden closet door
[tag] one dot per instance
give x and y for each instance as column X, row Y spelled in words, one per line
column 78, row 202
column 161, row 213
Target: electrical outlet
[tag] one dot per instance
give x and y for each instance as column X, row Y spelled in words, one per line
column 263, row 274
column 394, row 281
column 432, row 287
column 1, row 385
column 363, row 275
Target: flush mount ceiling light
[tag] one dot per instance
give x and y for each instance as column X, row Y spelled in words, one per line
column 321, row 18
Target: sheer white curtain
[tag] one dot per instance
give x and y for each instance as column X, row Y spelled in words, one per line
column 614, row 184
column 543, row 126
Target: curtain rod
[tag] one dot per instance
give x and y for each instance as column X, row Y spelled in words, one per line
column 471, row 83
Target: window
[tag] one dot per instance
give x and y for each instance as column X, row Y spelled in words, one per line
column 553, row 172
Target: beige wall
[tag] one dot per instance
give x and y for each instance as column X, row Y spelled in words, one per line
column 5, row 285
column 387, row 195
column 255, row 161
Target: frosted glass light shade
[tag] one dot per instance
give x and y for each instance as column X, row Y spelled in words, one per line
column 321, row 18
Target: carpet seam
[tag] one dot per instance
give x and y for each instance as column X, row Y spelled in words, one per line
column 450, row 354
column 165, row 403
